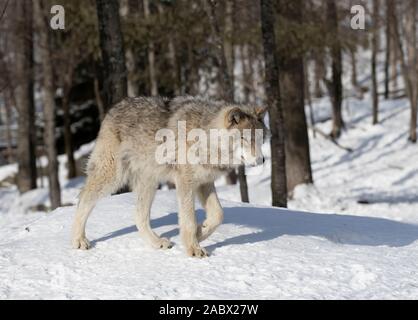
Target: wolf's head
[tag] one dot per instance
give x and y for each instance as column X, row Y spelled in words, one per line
column 245, row 132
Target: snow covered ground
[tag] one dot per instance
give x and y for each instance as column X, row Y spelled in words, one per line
column 351, row 235
column 258, row 252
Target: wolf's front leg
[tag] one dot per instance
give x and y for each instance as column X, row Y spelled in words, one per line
column 146, row 192
column 214, row 213
column 187, row 219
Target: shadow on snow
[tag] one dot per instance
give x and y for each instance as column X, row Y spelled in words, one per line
column 271, row 223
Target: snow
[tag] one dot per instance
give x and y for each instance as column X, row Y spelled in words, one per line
column 7, row 171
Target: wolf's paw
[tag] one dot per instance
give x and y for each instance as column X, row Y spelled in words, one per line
column 81, row 243
column 164, row 243
column 197, row 252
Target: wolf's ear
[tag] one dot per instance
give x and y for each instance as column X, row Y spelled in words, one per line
column 260, row 112
column 233, row 117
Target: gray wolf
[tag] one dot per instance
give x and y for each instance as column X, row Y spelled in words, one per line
column 125, row 153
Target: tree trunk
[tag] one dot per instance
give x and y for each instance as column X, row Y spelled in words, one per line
column 230, row 61
column 68, row 140
column 308, row 97
column 388, row 47
column 23, row 93
column 228, row 40
column 133, row 90
column 132, row 86
column 225, row 79
column 298, row 163
column 113, row 56
column 375, row 35
column 48, row 105
column 413, row 124
column 151, row 56
column 335, row 86
column 272, row 88
column 243, row 185
column 246, row 75
column 191, row 72
column 411, row 34
column 253, row 73
column 8, row 97
column 394, row 49
column 171, row 51
column 98, row 98
column 319, row 73
column 172, row 57
column 174, row 66
column 353, row 58
column 409, row 67
column 9, row 102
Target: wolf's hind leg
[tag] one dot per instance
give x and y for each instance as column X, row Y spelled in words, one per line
column 88, row 199
column 96, row 187
column 146, row 192
column 103, row 178
column 214, row 213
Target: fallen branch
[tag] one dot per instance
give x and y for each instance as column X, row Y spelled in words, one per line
column 328, row 137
